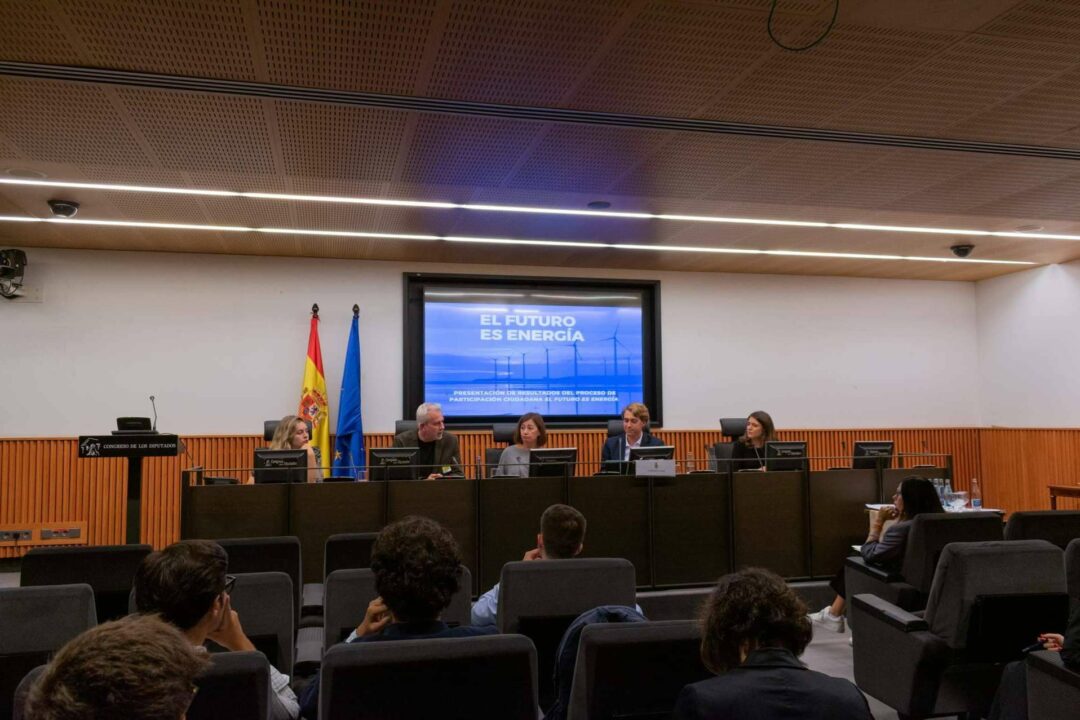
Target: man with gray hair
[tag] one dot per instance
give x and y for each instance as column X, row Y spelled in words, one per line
column 439, row 454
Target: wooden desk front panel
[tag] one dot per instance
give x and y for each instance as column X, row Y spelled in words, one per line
column 510, row 510
column 319, row 511
column 769, row 514
column 692, row 529
column 616, row 509
column 838, row 517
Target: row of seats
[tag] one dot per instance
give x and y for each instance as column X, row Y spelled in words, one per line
column 622, row 670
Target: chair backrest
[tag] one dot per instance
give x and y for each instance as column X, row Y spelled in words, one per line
column 266, row 604
column 401, row 426
column 971, row 577
column 540, row 598
column 491, row 460
column 721, row 452
column 108, row 569
column 504, row 432
column 235, row 686
column 615, row 428
column 733, row 427
column 35, row 622
column 1057, row 526
column 490, row 676
column 635, row 670
column 22, row 692
column 267, row 554
column 931, row 532
column 1072, row 570
column 348, row 551
column 348, row 593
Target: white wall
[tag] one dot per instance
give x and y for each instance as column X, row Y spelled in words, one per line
column 220, row 340
column 1029, row 347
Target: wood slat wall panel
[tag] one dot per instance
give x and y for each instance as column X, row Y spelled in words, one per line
column 42, row 480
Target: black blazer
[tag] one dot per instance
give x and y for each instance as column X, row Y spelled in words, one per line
column 447, row 452
column 743, row 457
column 772, row 685
column 615, row 447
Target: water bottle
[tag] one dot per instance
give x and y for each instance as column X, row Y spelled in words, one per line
column 948, row 486
column 939, row 486
column 976, row 495
column 691, row 466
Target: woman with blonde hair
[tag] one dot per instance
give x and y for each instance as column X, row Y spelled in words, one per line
column 293, row 434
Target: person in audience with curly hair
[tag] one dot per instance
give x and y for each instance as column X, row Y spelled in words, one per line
column 137, row 668
column 417, row 570
column 754, row 629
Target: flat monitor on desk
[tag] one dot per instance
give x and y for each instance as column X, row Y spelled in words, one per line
column 871, row 454
column 552, row 462
column 790, row 455
column 397, row 463
column 280, row 466
column 648, row 452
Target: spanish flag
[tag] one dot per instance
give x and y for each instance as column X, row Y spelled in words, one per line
column 313, row 405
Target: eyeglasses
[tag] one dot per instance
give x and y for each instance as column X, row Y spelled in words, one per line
column 230, row 581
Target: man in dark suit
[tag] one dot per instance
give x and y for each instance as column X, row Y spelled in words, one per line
column 439, row 452
column 753, row 631
column 635, row 422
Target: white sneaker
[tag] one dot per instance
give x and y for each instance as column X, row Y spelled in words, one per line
column 827, row 620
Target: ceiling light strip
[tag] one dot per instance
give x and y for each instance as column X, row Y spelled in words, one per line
column 431, row 204
column 493, row 241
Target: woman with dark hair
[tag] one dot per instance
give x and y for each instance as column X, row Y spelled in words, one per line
column 748, row 452
column 754, row 628
column 530, row 433
column 914, row 496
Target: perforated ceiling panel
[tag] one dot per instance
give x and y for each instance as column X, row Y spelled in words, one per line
column 200, row 38
column 33, row 32
column 519, row 52
column 369, row 45
column 354, row 144
column 1053, row 20
column 456, row 150
column 961, row 82
column 674, row 59
column 66, row 123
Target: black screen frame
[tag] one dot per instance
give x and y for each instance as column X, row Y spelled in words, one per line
column 416, row 283
column 863, row 456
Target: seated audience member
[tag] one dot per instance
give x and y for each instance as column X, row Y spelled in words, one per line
column 292, row 434
column 753, row 631
column 417, row 571
column 439, row 453
column 529, row 434
column 136, row 668
column 561, row 536
column 1011, row 700
column 748, row 452
column 635, row 422
column 914, row 496
column 187, row 586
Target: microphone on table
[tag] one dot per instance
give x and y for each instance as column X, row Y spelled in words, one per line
column 154, row 407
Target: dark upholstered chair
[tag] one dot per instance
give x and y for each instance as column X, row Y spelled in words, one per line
column 987, row 601
column 270, row 427
column 265, row 602
column 348, row 593
column 491, row 676
column 22, row 692
column 108, row 569
column 348, row 551
column 733, row 428
column 271, row 554
column 504, row 434
column 1072, row 570
column 614, row 427
column 235, row 686
column 540, row 598
column 929, row 534
column 634, row 670
column 34, row 623
column 401, row 426
column 1059, row 527
column 1052, row 688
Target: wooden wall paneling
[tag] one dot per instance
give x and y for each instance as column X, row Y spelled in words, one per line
column 42, row 480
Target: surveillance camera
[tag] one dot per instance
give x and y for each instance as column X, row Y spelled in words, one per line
column 64, row 208
column 962, row 250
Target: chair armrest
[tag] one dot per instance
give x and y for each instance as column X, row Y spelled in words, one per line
column 313, row 597
column 889, row 614
column 880, row 574
column 1050, row 663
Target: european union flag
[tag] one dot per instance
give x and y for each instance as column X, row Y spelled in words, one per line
column 349, row 456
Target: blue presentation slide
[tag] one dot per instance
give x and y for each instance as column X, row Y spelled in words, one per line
column 505, row 360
